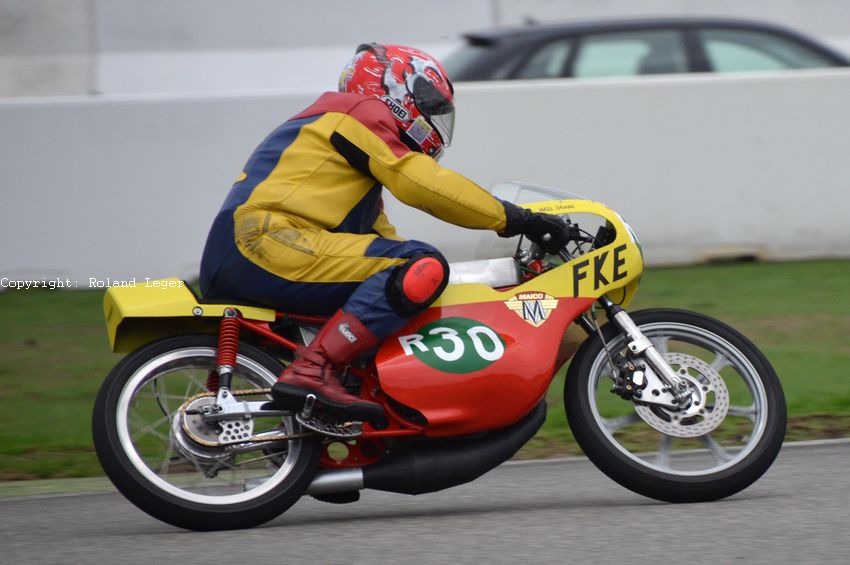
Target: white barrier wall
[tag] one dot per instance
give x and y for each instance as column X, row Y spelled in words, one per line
column 700, row 166
column 121, row 187
column 703, row 167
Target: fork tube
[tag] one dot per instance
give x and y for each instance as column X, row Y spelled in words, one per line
column 639, row 344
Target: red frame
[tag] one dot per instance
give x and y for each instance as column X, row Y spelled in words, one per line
column 397, row 427
column 515, row 382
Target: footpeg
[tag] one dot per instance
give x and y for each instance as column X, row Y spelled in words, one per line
column 309, row 403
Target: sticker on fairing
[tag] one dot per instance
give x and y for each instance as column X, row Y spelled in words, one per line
column 532, row 307
column 454, row 345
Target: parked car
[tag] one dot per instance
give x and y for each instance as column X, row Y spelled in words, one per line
column 635, row 47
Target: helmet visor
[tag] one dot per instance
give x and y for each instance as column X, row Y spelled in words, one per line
column 437, row 109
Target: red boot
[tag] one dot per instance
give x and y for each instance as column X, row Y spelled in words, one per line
column 314, row 371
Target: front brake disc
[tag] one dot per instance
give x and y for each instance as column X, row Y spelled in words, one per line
column 710, row 400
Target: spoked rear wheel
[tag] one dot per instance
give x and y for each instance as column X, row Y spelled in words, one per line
column 713, row 451
column 173, row 466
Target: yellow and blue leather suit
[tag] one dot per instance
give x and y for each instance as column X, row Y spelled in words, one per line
column 303, row 228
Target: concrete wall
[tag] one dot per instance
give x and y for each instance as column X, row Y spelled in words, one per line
column 121, row 187
column 46, row 47
column 700, row 166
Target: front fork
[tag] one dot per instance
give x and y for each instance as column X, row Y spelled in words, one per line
column 653, row 383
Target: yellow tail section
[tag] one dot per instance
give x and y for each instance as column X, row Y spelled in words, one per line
column 136, row 315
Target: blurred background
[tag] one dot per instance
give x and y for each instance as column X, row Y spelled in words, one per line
column 84, row 47
column 123, row 124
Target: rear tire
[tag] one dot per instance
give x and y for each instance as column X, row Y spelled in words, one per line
column 685, row 465
column 158, row 468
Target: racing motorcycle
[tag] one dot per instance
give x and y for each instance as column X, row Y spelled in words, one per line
column 671, row 404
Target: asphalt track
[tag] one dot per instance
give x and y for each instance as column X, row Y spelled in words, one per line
column 562, row 511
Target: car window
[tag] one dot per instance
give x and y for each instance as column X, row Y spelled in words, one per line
column 547, row 62
column 631, row 53
column 481, row 62
column 732, row 50
column 461, row 60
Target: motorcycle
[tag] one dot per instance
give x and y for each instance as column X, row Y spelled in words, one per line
column 184, row 428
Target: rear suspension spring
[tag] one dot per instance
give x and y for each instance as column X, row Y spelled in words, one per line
column 228, row 345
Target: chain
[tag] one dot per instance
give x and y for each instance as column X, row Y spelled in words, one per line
column 252, row 439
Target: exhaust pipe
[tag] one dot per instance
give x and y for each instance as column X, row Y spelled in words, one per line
column 336, row 481
column 441, row 464
column 435, row 465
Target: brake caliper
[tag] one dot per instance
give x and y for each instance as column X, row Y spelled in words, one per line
column 629, row 380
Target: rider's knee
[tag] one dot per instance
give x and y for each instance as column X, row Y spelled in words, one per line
column 413, row 286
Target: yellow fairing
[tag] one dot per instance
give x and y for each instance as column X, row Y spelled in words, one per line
column 139, row 314
column 613, row 269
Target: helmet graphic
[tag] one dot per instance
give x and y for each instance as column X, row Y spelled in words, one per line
column 414, row 86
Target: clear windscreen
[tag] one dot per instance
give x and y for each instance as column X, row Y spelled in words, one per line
column 518, row 192
column 588, row 224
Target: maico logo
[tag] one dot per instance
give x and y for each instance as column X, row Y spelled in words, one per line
column 533, row 307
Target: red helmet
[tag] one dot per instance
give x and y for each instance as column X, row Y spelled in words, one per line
column 415, row 87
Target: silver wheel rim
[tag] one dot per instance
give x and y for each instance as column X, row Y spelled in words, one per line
column 172, row 471
column 706, row 454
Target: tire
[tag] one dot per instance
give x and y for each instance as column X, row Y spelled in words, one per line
column 656, row 453
column 155, row 465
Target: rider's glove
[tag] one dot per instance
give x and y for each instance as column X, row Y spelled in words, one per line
column 546, row 230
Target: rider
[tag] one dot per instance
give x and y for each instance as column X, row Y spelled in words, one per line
column 303, row 228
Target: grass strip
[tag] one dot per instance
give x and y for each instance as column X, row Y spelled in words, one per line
column 54, row 355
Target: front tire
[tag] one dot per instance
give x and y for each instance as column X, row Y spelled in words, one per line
column 147, row 455
column 652, row 451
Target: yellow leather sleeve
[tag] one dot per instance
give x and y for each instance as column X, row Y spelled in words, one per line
column 384, row 228
column 419, row 181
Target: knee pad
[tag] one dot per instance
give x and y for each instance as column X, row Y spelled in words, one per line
column 415, row 285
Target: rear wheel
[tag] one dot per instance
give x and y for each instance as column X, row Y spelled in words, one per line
column 169, row 466
column 709, row 454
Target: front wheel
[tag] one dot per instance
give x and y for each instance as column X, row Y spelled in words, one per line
column 173, row 466
column 711, row 454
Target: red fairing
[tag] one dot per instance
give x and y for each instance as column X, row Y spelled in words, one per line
column 476, row 367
